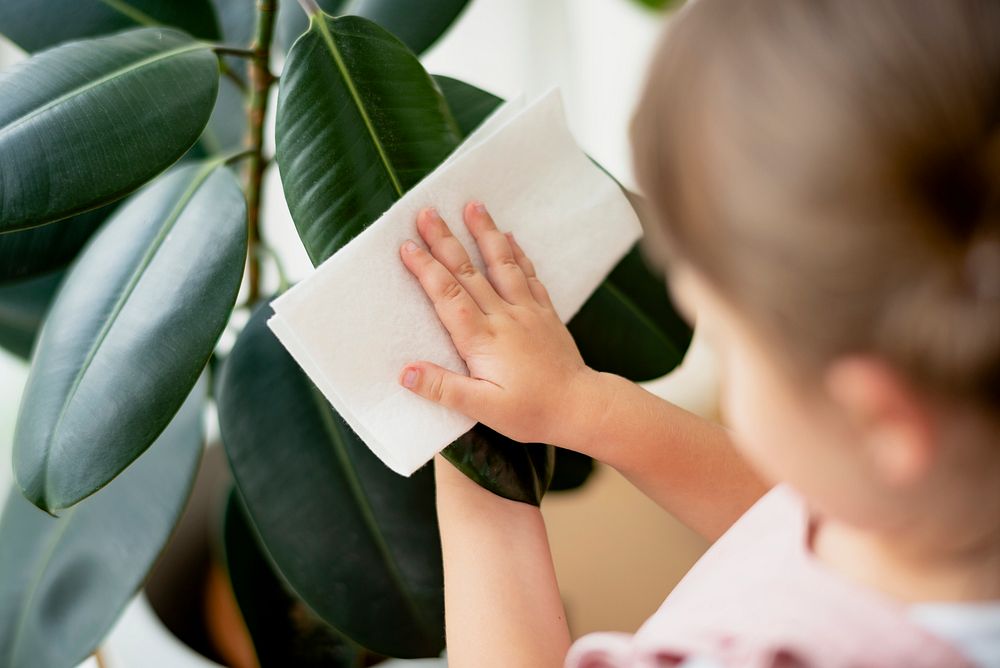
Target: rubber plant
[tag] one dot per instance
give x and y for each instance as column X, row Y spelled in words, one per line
column 132, row 154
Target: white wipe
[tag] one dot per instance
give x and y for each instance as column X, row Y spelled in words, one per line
column 360, row 317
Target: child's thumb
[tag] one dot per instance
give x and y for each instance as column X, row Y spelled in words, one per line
column 451, row 390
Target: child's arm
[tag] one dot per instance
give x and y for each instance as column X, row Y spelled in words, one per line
column 683, row 462
column 502, row 605
column 528, row 381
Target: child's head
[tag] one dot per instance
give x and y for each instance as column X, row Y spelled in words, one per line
column 827, row 176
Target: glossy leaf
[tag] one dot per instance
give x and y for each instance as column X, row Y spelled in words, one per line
column 359, row 122
column 86, row 123
column 31, row 252
column 468, row 104
column 284, row 631
column 64, row 581
column 34, row 25
column 22, row 308
column 356, row 542
column 629, row 326
column 513, row 470
column 131, row 328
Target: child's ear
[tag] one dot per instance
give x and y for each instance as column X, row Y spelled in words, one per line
column 892, row 422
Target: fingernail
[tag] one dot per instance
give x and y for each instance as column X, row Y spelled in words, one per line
column 410, row 377
column 510, row 237
column 479, row 207
column 409, row 246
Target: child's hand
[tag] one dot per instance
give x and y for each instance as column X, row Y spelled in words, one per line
column 522, row 360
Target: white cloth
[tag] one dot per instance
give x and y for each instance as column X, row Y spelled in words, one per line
column 360, row 317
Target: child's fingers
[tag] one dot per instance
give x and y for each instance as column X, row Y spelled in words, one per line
column 458, row 311
column 504, row 272
column 449, row 251
column 537, row 288
column 466, row 395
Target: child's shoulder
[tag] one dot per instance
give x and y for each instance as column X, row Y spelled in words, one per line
column 759, row 598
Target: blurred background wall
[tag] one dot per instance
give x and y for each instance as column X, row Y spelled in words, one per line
column 617, row 554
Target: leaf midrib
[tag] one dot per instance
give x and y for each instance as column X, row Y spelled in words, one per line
column 320, row 22
column 196, row 182
column 368, row 514
column 80, row 90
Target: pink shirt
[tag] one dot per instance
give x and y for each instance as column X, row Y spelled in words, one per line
column 758, row 598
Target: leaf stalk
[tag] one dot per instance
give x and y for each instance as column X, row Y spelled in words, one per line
column 223, row 50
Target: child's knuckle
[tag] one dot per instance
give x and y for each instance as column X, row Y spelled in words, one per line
column 465, row 270
column 451, row 290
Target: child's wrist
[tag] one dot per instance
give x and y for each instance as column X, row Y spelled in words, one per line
column 586, row 403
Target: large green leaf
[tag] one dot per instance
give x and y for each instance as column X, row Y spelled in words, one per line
column 284, row 631
column 506, row 468
column 27, row 253
column 356, row 542
column 629, row 326
column 88, row 122
column 513, row 470
column 131, row 328
column 359, row 122
column 22, row 308
column 35, row 25
column 469, row 105
column 64, row 581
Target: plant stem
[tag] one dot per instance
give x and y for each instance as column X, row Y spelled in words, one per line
column 261, row 80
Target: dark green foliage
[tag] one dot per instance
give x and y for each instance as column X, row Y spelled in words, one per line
column 64, row 581
column 355, row 541
column 76, row 121
column 284, row 631
column 121, row 327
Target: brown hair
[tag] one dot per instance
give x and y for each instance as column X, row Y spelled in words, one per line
column 833, row 169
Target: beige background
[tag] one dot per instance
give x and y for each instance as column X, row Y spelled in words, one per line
column 617, row 554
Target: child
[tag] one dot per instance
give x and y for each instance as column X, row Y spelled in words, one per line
column 827, row 178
